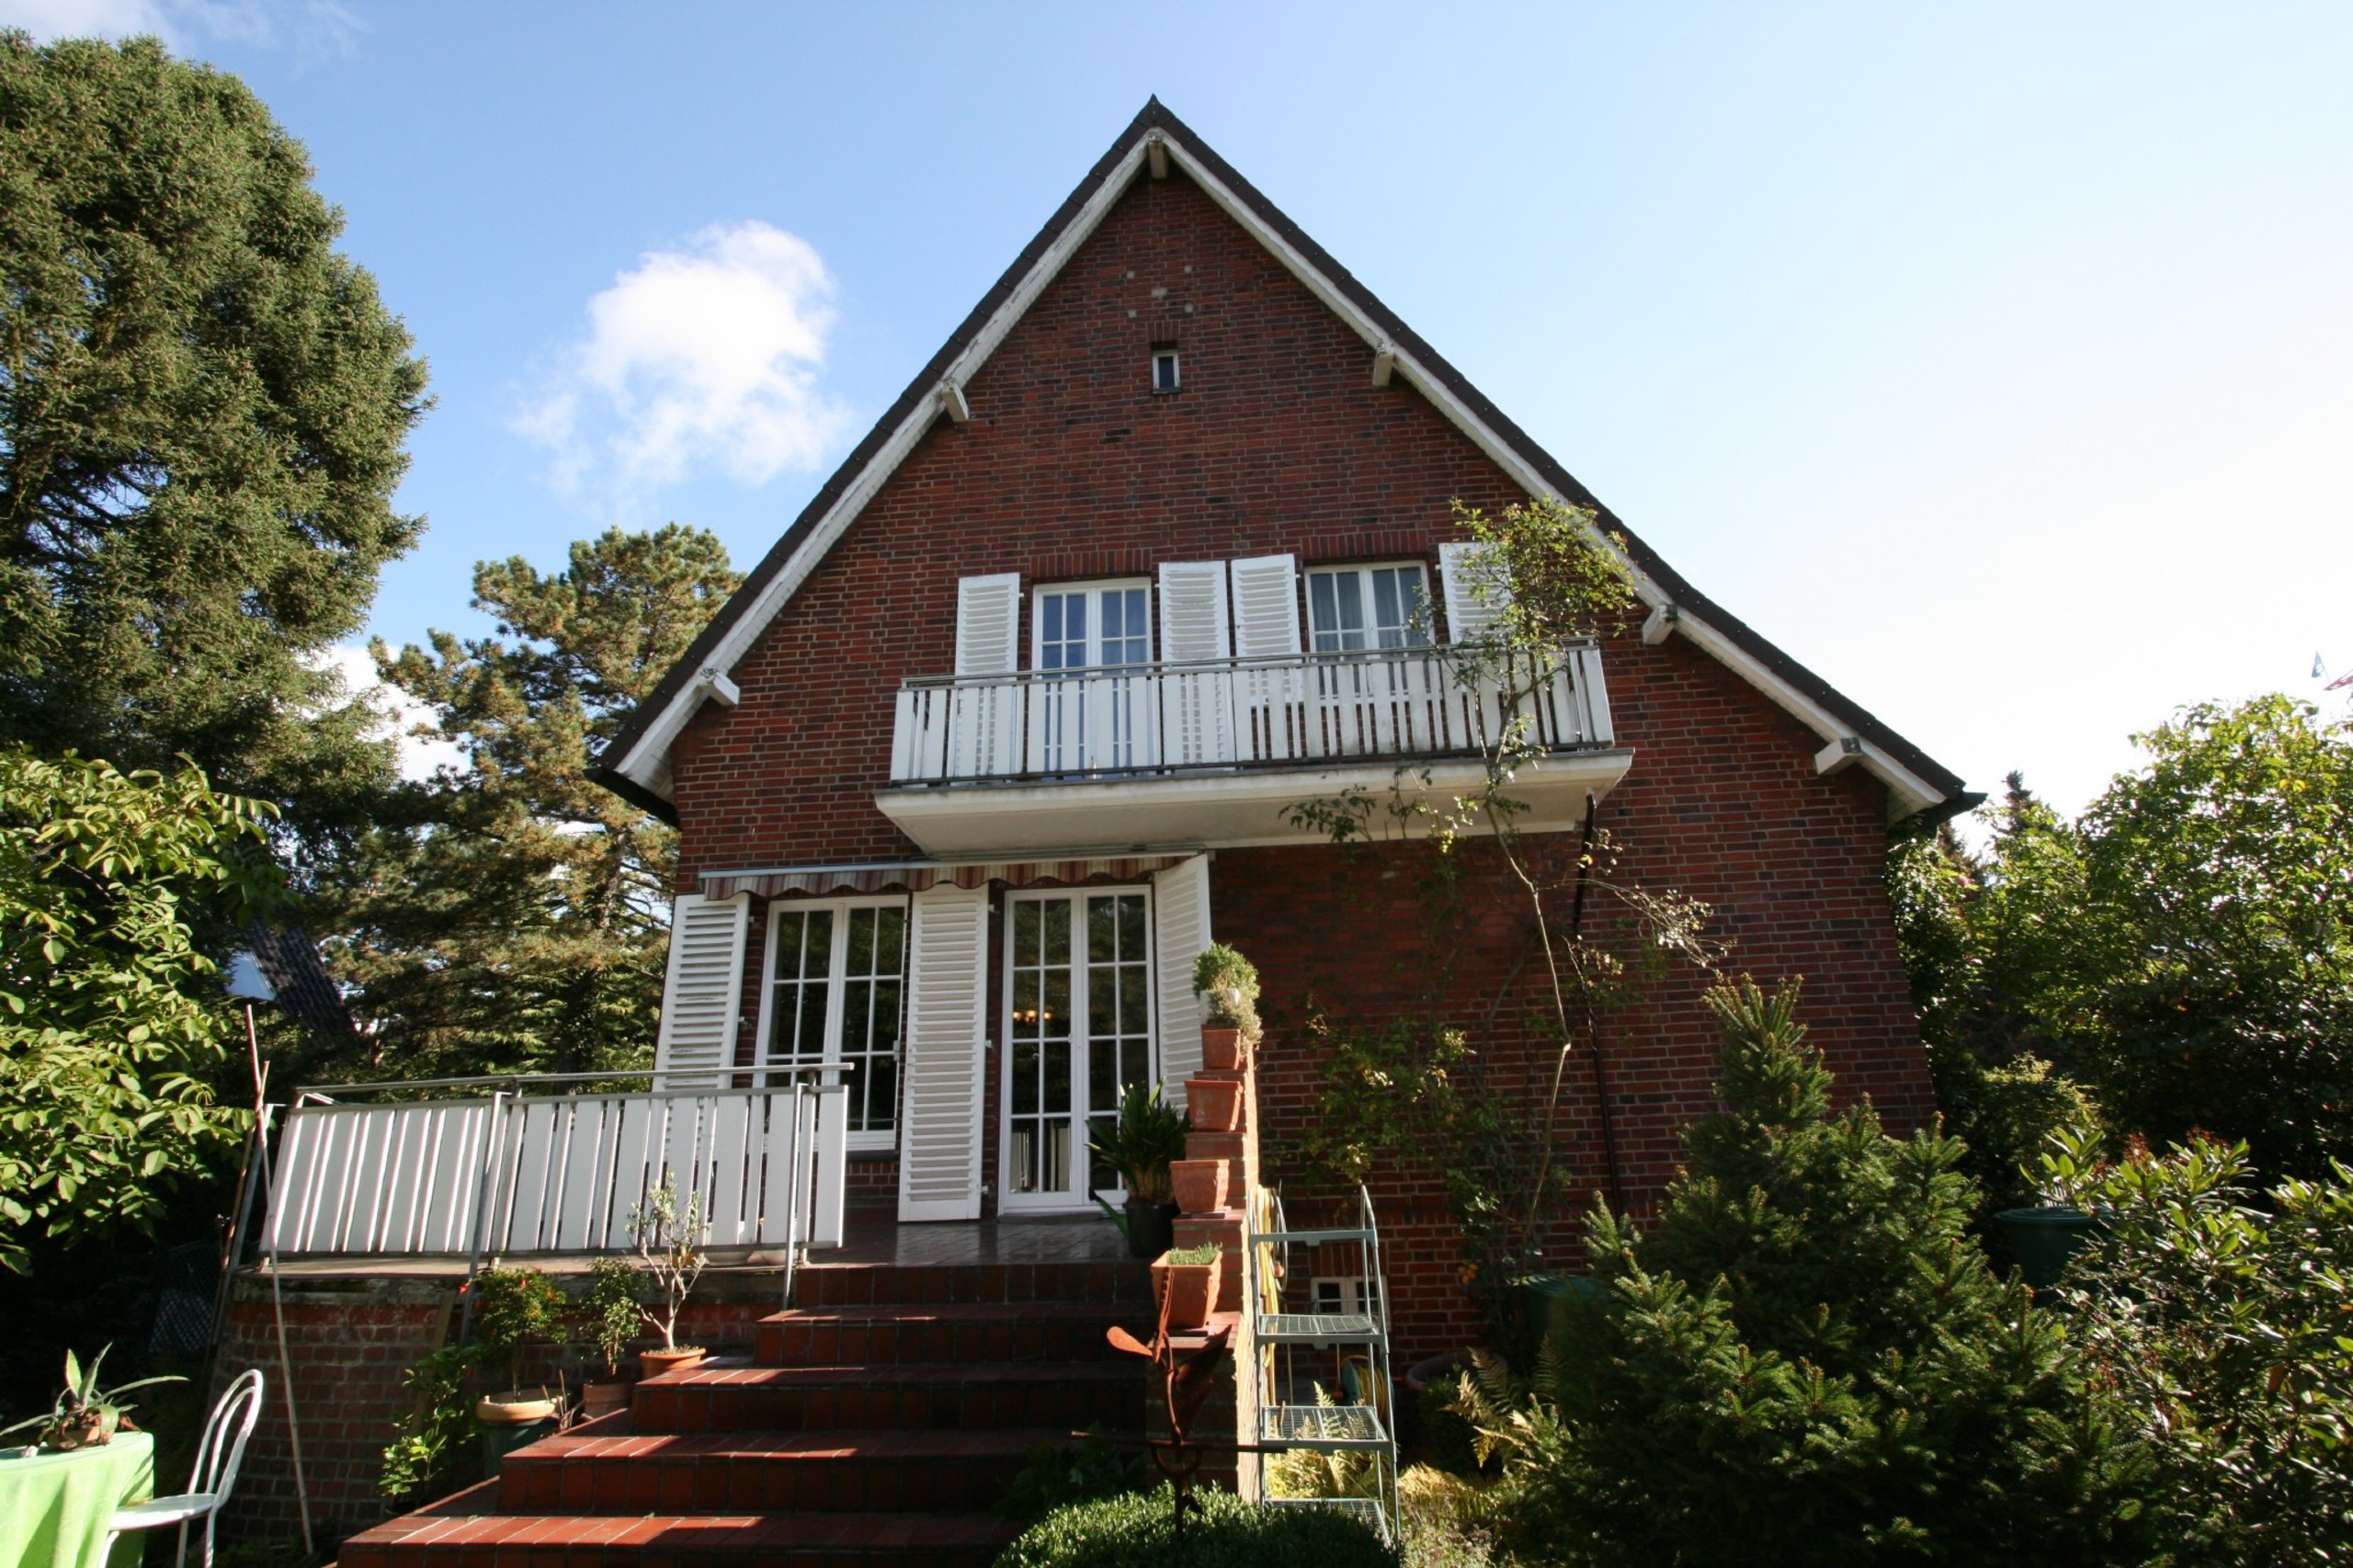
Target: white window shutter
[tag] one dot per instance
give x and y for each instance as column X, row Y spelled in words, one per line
column 695, row 1042
column 1180, row 904
column 940, row 1140
column 1193, row 626
column 1471, row 614
column 1266, row 606
column 988, row 624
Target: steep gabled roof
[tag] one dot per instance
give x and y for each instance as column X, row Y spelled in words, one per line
column 636, row 764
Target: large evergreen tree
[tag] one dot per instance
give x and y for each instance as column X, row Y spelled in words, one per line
column 1805, row 1358
column 202, row 411
column 515, row 915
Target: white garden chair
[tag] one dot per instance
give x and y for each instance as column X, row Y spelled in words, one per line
column 215, row 1472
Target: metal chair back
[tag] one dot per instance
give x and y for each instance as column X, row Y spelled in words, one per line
column 224, row 1450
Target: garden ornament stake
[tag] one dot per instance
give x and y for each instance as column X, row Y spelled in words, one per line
column 1186, row 1386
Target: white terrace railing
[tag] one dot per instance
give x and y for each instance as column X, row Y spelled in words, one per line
column 475, row 1167
column 1225, row 715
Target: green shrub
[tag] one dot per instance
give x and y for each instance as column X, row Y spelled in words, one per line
column 1139, row 1531
column 1231, row 983
column 1082, row 1473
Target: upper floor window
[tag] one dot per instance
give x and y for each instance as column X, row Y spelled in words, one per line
column 1353, row 608
column 1082, row 625
column 1164, row 370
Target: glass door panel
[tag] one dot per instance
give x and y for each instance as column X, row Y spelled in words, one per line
column 1093, row 715
column 1078, row 1033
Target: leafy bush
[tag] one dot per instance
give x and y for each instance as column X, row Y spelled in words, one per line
column 1231, row 983
column 1079, row 1473
column 611, row 1309
column 514, row 1307
column 1139, row 1531
column 1808, row 1361
column 2218, row 1333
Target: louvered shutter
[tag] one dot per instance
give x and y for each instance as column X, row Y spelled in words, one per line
column 1266, row 606
column 1180, row 904
column 695, row 1040
column 1196, row 705
column 985, row 734
column 939, row 1139
column 1472, row 613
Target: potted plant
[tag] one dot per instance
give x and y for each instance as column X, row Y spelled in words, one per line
column 669, row 1247
column 85, row 1416
column 1141, row 1146
column 1185, row 1284
column 613, row 1319
column 512, row 1308
column 1200, row 1187
column 1230, row 984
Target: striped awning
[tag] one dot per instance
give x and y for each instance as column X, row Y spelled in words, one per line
column 914, row 876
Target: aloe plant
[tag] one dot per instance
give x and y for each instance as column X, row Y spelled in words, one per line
column 84, row 1413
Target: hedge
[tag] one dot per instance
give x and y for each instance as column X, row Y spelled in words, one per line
column 1139, row 1531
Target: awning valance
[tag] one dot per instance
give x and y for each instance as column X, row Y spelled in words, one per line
column 914, row 876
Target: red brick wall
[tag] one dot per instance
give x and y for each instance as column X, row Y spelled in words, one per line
column 1070, row 467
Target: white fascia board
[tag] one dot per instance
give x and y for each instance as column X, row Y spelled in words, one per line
column 647, row 760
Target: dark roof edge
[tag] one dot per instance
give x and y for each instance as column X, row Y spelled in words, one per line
column 636, row 794
column 1157, row 115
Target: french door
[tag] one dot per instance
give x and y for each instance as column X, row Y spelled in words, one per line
column 1078, row 1031
column 1092, row 707
column 834, row 997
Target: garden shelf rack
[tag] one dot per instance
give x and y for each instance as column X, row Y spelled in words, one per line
column 1323, row 1372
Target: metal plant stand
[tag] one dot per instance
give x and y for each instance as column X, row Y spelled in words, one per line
column 1323, row 1372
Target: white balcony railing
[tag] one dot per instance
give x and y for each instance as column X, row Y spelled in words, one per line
column 1139, row 719
column 482, row 1167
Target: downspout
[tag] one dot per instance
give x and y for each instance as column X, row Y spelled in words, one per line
column 1592, row 1030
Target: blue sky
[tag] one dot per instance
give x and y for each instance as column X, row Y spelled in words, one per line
column 1996, row 361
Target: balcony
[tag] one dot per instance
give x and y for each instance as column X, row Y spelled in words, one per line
column 1215, row 753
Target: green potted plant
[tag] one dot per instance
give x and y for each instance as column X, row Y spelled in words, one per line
column 1229, row 982
column 668, row 1236
column 613, row 1317
column 1141, row 1146
column 512, row 1308
column 1186, row 1282
column 85, row 1416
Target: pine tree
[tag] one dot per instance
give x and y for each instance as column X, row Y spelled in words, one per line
column 1806, row 1358
column 515, row 916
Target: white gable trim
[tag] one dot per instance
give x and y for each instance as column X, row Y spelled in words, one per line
column 647, row 763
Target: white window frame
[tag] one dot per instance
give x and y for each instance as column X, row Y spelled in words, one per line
column 1095, row 620
column 1362, row 571
column 836, row 995
column 1009, row 1201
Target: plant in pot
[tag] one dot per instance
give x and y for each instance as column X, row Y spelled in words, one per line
column 1140, row 1146
column 1229, row 982
column 512, row 1308
column 85, row 1416
column 668, row 1234
column 613, row 1317
column 1186, row 1282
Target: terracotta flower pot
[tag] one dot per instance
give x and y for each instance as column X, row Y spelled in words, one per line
column 603, row 1399
column 1188, row 1288
column 86, row 1430
column 1201, row 1184
column 513, row 1408
column 656, row 1362
column 1222, row 1048
column 1216, row 1104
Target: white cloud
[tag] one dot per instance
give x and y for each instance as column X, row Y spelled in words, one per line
column 301, row 26
column 707, row 355
column 400, row 715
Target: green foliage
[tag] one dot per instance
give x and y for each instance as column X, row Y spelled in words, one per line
column 110, row 1016
column 1807, row 1359
column 1138, row 1531
column 1546, row 577
column 202, row 412
column 1194, row 1257
column 1338, row 1473
column 1231, row 983
column 612, row 1309
column 2220, row 1334
column 1080, row 1472
column 83, row 1400
column 1148, row 1136
column 433, row 1441
column 514, row 1307
column 515, row 916
column 2189, row 942
column 668, row 1236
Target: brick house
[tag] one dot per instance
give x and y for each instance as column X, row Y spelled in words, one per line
column 1004, row 728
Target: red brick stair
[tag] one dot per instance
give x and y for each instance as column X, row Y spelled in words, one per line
column 876, row 1422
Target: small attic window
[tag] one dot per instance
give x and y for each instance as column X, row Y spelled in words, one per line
column 1164, row 370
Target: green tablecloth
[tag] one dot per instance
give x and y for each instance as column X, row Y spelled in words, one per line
column 54, row 1508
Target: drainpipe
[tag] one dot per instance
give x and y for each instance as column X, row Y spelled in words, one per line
column 1592, row 1032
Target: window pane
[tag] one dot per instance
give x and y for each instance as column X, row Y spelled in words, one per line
column 1323, row 615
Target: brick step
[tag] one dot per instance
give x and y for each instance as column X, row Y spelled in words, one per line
column 916, row 1471
column 1067, row 1394
column 671, row 1541
column 819, row 1285
column 1003, row 1331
